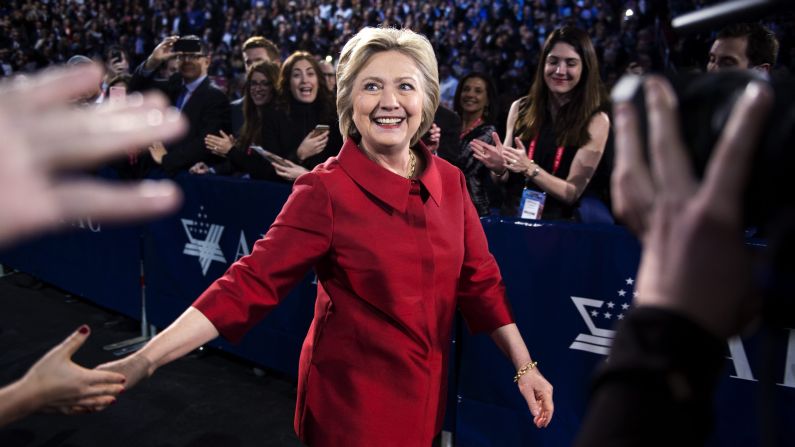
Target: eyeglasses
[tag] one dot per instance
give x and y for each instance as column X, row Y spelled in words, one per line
column 262, row 84
column 189, row 57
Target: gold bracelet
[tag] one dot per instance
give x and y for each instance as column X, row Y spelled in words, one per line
column 524, row 370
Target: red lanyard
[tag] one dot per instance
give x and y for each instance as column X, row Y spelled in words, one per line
column 472, row 126
column 558, row 154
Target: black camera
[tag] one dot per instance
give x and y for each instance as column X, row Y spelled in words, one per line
column 705, row 104
column 188, row 44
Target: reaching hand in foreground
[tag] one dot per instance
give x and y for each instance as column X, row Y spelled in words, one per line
column 57, row 383
column 43, row 133
column 694, row 261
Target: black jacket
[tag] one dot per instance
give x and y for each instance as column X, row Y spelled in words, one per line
column 207, row 111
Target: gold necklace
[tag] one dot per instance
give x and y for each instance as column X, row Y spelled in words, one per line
column 412, row 165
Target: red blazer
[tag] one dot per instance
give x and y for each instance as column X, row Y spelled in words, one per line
column 394, row 259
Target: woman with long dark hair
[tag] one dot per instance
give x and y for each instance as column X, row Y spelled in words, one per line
column 291, row 133
column 475, row 102
column 260, row 93
column 559, row 129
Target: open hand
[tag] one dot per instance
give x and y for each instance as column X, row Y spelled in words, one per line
column 42, row 134
column 288, row 170
column 491, row 155
column 61, row 385
column 694, row 260
column 219, row 144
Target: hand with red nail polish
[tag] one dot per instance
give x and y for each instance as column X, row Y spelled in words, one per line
column 55, row 383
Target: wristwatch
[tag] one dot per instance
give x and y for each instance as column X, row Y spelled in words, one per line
column 535, row 172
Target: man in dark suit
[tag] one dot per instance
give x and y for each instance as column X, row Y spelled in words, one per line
column 190, row 90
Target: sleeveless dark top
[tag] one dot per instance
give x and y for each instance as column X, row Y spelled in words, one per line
column 544, row 156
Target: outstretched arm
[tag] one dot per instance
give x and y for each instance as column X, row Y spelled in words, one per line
column 188, row 332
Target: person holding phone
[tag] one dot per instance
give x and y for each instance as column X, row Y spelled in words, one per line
column 302, row 128
column 117, row 61
column 190, row 90
column 117, row 66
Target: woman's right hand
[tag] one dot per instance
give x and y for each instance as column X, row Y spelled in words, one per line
column 313, row 144
column 491, row 155
column 219, row 145
column 134, row 368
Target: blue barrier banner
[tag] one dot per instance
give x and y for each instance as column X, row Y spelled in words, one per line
column 569, row 285
column 219, row 223
column 88, row 259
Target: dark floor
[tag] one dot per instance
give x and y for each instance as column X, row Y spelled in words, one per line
column 204, row 399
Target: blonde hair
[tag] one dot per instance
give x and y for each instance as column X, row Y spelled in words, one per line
column 358, row 51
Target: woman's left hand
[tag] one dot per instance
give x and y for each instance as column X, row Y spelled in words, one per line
column 289, row 170
column 219, row 144
column 515, row 158
column 489, row 154
column 537, row 391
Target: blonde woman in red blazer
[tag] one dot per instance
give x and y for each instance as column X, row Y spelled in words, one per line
column 397, row 247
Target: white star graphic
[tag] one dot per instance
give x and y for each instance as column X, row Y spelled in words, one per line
column 594, row 313
column 620, row 316
column 625, row 306
column 611, row 305
column 608, row 315
column 630, row 281
column 635, row 294
column 622, row 292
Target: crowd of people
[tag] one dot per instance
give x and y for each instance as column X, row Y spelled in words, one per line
column 500, row 42
column 502, row 39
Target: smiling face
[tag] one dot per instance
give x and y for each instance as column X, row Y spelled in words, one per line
column 303, row 81
column 474, row 96
column 260, row 88
column 562, row 69
column 387, row 102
